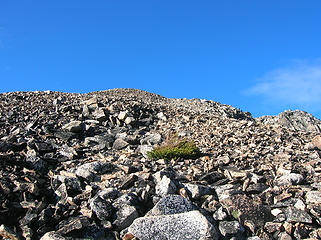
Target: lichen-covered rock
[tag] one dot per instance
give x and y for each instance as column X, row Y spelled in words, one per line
column 190, row 225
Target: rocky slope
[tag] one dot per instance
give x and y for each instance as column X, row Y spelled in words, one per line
column 74, row 166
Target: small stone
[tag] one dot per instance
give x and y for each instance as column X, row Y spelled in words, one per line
column 52, row 236
column 231, row 229
column 300, row 205
column 129, row 120
column 101, row 207
column 72, row 224
column 74, row 126
column 288, row 227
column 161, row 116
column 276, row 211
column 272, row 227
column 196, row 191
column 144, row 149
column 122, row 115
column 165, row 186
column 129, row 181
column 120, row 144
column 125, row 216
column 152, row 139
column 316, row 141
column 284, row 236
column 289, row 179
column 295, row 215
column 313, row 197
column 89, row 171
column 99, row 114
column 220, row 214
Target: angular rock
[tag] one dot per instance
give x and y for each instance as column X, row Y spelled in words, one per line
column 313, row 197
column 289, row 179
column 72, row 224
column 296, row 215
column 89, row 171
column 190, row 225
column 197, row 191
column 144, row 149
column 244, row 209
column 120, row 144
column 74, row 126
column 316, row 141
column 231, row 229
column 99, row 114
column 125, row 216
column 171, row 204
column 151, row 139
column 165, row 186
column 52, row 236
column 101, row 207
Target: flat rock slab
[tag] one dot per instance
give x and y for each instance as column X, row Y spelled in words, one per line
column 190, row 225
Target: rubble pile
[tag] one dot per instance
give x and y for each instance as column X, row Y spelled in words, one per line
column 75, row 166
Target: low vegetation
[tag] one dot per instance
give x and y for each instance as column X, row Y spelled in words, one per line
column 175, row 148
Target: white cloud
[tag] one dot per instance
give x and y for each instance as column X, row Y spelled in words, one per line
column 297, row 85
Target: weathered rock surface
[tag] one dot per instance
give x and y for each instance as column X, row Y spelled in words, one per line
column 75, row 166
column 190, row 225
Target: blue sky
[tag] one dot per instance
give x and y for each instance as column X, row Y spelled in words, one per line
column 259, row 56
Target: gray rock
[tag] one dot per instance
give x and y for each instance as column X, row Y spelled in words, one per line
column 68, row 152
column 295, row 120
column 120, row 144
column 44, row 147
column 36, row 162
column 152, row 139
column 231, row 229
column 99, row 142
column 72, row 224
column 122, row 115
column 72, row 183
column 99, row 114
column 284, row 236
column 219, row 214
column 74, row 126
column 296, row 215
column 101, row 207
column 165, row 186
column 129, row 181
column 125, row 216
column 144, row 149
column 289, row 179
column 52, row 236
column 190, row 225
column 7, row 233
column 89, row 171
column 129, row 120
column 196, row 191
column 130, row 199
column 313, row 197
column 161, row 116
column 227, row 190
column 171, row 204
column 245, row 209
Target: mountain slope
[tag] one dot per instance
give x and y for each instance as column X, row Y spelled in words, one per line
column 75, row 166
